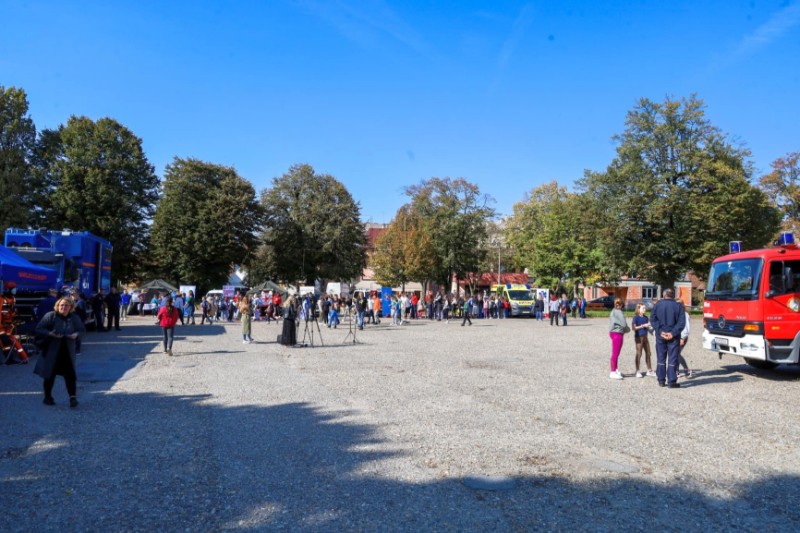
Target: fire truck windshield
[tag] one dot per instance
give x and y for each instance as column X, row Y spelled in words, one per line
column 734, row 280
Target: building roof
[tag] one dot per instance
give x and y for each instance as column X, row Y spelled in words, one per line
column 486, row 279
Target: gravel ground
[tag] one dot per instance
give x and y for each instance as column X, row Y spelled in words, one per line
column 410, row 429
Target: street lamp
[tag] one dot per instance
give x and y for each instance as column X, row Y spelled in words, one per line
column 497, row 243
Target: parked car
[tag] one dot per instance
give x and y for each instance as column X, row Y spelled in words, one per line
column 604, row 302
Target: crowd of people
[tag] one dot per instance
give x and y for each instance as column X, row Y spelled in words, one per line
column 668, row 323
column 63, row 320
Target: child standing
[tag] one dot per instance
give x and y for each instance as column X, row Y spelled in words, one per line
column 641, row 326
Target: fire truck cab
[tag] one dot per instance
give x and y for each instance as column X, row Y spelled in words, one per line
column 752, row 305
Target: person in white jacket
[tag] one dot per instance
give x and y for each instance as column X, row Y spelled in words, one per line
column 684, row 339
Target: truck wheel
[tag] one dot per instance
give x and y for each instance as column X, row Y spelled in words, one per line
column 761, row 365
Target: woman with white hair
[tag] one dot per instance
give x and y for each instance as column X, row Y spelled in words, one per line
column 289, row 331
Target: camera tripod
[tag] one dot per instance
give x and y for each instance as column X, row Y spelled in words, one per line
column 308, row 331
column 352, row 331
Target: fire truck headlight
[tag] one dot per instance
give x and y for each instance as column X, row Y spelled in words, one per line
column 748, row 346
column 794, row 304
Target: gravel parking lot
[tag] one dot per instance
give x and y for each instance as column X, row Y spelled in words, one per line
column 506, row 425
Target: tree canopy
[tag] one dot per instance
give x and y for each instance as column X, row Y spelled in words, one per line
column 206, row 222
column 675, row 194
column 549, row 235
column 17, row 141
column 454, row 214
column 94, row 176
column 404, row 252
column 782, row 187
column 312, row 230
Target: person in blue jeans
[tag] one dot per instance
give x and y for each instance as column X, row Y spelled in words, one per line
column 538, row 308
column 333, row 315
column 361, row 309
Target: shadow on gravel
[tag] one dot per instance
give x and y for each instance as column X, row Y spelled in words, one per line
column 710, row 377
column 114, row 355
column 206, row 330
column 780, row 373
column 144, row 462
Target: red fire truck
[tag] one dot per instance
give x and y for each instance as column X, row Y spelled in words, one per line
column 752, row 304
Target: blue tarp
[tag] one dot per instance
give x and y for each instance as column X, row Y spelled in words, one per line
column 25, row 274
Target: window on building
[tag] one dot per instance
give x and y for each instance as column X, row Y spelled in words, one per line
column 649, row 293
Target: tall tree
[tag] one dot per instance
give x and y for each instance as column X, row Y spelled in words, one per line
column 675, row 194
column 94, row 176
column 17, row 140
column 782, row 187
column 404, row 252
column 206, row 222
column 312, row 230
column 549, row 236
column 454, row 213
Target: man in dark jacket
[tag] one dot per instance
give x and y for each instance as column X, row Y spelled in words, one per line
column 668, row 319
column 98, row 309
column 113, row 301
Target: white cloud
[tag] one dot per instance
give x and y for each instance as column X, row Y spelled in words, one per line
column 780, row 23
column 519, row 28
column 366, row 22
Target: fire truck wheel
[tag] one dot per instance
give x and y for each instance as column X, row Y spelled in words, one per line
column 761, row 365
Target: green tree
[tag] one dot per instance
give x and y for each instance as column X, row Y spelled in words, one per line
column 782, row 187
column 17, row 141
column 312, row 230
column 454, row 213
column 675, row 194
column 94, row 176
column 404, row 252
column 549, row 235
column 205, row 223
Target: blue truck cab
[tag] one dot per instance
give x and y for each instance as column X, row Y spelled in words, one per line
column 81, row 260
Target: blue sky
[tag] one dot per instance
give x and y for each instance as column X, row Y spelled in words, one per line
column 383, row 94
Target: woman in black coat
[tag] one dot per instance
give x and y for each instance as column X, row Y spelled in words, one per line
column 289, row 333
column 60, row 329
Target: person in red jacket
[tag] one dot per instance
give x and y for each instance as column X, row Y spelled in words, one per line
column 276, row 305
column 167, row 318
column 8, row 321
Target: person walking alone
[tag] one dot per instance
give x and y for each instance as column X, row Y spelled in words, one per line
column 167, row 319
column 467, row 311
column 60, row 329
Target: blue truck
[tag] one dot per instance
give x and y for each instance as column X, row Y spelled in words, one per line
column 79, row 259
